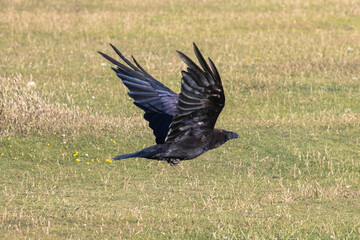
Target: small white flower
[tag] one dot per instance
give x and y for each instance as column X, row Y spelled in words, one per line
column 31, row 84
column 349, row 49
column 63, row 135
column 93, row 97
column 84, row 224
column 354, row 78
column 278, row 215
column 86, row 154
column 103, row 64
column 332, row 236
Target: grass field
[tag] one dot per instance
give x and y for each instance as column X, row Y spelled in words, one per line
column 291, row 73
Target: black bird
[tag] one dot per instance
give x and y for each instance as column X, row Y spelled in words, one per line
column 182, row 124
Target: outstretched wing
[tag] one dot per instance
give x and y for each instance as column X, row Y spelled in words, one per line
column 200, row 101
column 158, row 101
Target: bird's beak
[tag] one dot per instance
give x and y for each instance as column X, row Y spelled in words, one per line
column 234, row 135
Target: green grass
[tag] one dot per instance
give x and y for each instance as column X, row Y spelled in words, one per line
column 291, row 75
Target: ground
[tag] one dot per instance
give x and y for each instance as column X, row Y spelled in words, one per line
column 290, row 71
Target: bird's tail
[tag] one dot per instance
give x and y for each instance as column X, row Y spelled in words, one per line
column 145, row 153
column 131, row 155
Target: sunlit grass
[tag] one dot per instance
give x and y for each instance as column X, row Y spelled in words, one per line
column 291, row 75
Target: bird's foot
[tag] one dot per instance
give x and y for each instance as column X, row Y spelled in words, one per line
column 173, row 162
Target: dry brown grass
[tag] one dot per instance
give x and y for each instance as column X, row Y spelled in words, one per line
column 23, row 110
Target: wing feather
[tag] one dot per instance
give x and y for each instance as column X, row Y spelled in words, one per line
column 201, row 99
column 158, row 101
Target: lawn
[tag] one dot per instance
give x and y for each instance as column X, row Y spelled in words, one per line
column 291, row 74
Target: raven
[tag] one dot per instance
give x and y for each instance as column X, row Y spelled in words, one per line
column 182, row 124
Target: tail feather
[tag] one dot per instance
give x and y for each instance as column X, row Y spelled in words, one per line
column 149, row 152
column 131, row 155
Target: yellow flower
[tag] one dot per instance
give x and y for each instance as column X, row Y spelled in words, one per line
column 97, row 160
column 2, row 154
column 63, row 154
column 10, row 146
column 92, row 159
column 89, row 169
column 78, row 160
column 54, row 133
column 76, row 153
column 109, row 160
column 87, row 163
column 98, row 148
column 114, row 141
column 107, row 107
column 22, row 154
column 39, row 132
column 48, row 144
column 9, row 138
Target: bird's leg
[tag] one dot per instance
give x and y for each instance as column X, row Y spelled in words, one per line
column 173, row 162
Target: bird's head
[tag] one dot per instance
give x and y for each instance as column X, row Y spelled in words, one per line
column 221, row 137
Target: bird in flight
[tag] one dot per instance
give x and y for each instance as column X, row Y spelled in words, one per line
column 183, row 124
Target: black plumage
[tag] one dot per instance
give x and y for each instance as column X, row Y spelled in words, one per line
column 182, row 124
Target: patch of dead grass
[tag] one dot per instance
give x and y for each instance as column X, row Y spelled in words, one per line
column 24, row 111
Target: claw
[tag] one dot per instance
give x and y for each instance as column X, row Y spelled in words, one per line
column 173, row 162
